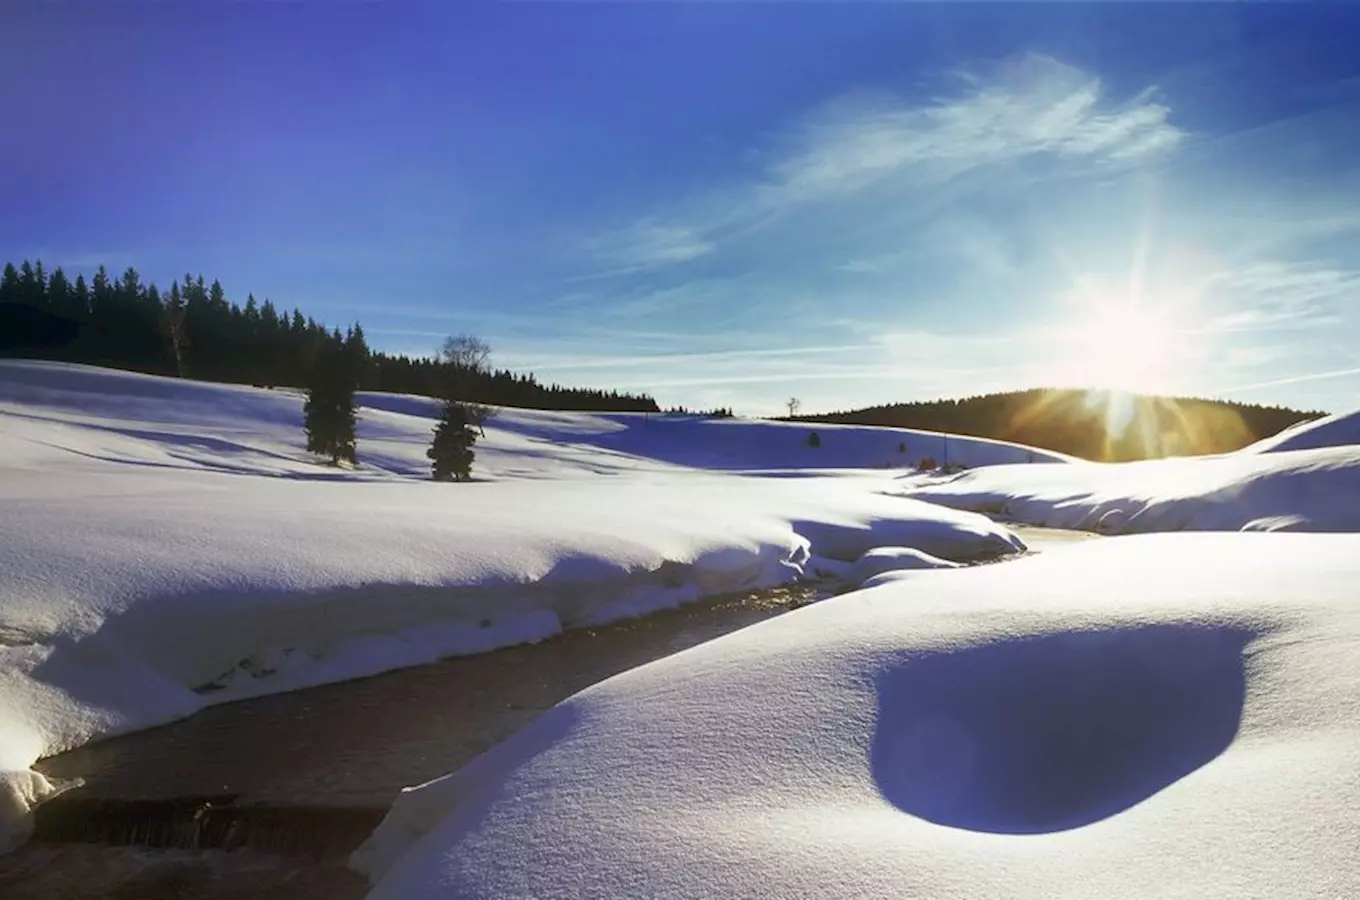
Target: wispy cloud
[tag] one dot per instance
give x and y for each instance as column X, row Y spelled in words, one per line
column 645, row 244
column 1028, row 107
column 1295, row 379
column 576, row 362
column 1271, row 295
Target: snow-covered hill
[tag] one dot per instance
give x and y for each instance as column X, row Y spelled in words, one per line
column 168, row 544
column 166, row 422
column 1342, row 429
column 1306, row 478
column 1294, row 490
column 1162, row 716
column 1066, row 725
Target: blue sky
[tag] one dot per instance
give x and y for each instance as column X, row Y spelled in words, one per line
column 726, row 204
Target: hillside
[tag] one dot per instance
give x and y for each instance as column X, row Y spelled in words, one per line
column 1094, row 425
column 1329, row 431
column 170, row 545
column 167, row 544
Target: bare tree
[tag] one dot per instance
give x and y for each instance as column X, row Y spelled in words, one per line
column 793, row 403
column 478, row 414
column 467, row 357
column 466, row 352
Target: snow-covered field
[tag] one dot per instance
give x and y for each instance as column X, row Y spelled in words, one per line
column 167, row 544
column 1171, row 716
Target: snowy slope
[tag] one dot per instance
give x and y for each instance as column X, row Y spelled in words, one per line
column 166, row 422
column 1172, row 716
column 1289, row 490
column 166, row 545
column 1329, row 431
column 736, row 444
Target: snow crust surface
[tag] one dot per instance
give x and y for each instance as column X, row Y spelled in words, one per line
column 168, row 544
column 1150, row 716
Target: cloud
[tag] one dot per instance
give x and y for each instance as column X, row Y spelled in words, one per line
column 595, row 361
column 874, row 366
column 1271, row 295
column 1295, row 379
column 1028, row 107
column 646, row 244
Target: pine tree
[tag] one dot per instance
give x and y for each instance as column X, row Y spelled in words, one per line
column 58, row 291
column 9, row 283
column 329, row 411
column 451, row 450
column 172, row 322
column 356, row 355
column 81, row 295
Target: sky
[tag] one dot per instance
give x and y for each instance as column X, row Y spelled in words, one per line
column 727, row 204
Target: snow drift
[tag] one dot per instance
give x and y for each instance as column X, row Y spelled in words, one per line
column 1148, row 716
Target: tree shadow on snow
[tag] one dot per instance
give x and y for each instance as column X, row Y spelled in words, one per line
column 1044, row 734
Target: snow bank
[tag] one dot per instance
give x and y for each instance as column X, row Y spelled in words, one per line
column 881, row 560
column 1297, row 490
column 166, row 545
column 1064, row 726
column 1329, row 431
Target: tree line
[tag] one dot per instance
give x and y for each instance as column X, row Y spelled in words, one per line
column 192, row 330
column 1102, row 426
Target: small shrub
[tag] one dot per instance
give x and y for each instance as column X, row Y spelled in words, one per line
column 814, row 439
column 927, row 464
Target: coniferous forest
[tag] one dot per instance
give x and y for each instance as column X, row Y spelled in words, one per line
column 192, row 330
column 1092, row 425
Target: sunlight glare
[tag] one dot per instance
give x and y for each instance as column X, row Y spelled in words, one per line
column 1127, row 335
column 1125, row 348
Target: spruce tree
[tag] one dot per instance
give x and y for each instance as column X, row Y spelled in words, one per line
column 451, row 450
column 329, row 411
column 172, row 324
column 9, row 284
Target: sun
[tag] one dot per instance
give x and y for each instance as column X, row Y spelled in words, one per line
column 1122, row 346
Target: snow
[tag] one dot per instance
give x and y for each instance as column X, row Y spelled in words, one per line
column 1161, row 715
column 1329, row 431
column 167, row 544
column 169, row 423
column 881, row 560
column 1284, row 490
